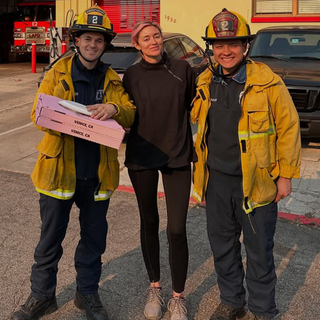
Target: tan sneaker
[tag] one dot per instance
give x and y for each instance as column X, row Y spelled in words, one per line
column 154, row 304
column 177, row 308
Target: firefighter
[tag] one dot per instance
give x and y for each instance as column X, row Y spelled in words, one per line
column 73, row 170
column 248, row 147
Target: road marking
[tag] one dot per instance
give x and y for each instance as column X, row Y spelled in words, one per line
column 16, row 129
column 16, row 106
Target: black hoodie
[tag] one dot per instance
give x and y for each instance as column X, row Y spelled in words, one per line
column 161, row 134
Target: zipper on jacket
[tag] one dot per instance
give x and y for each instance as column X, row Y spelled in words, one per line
column 98, row 178
column 172, row 73
column 98, row 189
column 244, row 150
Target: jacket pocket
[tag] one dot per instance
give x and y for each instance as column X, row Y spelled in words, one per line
column 108, row 168
column 258, row 113
column 45, row 174
column 264, row 188
column 266, row 154
column 51, row 145
column 262, row 156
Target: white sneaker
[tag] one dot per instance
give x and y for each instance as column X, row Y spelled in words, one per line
column 154, row 303
column 177, row 308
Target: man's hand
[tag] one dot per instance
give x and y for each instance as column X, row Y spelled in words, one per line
column 102, row 111
column 284, row 188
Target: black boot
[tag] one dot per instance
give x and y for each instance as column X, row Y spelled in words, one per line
column 92, row 304
column 226, row 312
column 34, row 309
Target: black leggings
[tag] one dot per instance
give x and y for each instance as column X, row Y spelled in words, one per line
column 176, row 182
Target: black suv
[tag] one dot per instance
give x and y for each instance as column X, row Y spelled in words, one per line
column 293, row 52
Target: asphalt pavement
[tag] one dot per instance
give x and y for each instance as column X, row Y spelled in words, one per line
column 124, row 280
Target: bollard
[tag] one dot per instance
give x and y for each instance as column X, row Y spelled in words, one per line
column 63, row 47
column 33, row 57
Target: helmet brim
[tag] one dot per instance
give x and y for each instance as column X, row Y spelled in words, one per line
column 108, row 34
column 211, row 40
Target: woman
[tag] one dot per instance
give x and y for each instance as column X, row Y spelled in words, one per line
column 161, row 140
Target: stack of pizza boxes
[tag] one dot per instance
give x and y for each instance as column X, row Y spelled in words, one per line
column 50, row 114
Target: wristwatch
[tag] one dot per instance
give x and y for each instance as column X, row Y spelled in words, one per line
column 117, row 109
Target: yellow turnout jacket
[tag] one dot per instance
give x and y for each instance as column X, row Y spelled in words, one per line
column 268, row 130
column 54, row 173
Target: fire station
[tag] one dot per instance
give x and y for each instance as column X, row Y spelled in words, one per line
column 53, row 18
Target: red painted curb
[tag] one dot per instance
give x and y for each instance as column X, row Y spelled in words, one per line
column 299, row 218
column 282, row 215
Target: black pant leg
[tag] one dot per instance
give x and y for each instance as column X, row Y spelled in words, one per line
column 177, row 183
column 145, row 184
column 224, row 231
column 55, row 217
column 258, row 236
column 93, row 236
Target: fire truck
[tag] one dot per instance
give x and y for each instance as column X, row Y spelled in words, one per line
column 34, row 21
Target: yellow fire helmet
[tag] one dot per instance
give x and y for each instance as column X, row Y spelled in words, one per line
column 94, row 19
column 227, row 25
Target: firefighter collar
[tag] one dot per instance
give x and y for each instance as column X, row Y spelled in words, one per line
column 240, row 77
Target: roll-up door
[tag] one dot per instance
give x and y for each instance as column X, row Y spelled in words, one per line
column 274, row 6
column 309, row 6
column 123, row 14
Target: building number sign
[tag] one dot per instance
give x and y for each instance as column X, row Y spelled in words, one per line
column 170, row 19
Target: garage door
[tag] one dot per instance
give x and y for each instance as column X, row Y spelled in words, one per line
column 123, row 14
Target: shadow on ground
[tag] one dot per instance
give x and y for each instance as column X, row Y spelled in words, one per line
column 124, row 279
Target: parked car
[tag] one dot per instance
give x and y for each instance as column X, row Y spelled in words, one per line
column 293, row 52
column 177, row 45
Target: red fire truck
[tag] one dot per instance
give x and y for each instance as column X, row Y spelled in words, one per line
column 33, row 22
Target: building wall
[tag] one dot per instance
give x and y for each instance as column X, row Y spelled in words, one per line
column 186, row 16
column 69, row 9
column 7, row 9
column 191, row 17
column 7, row 6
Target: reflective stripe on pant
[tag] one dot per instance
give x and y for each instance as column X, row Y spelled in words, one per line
column 55, row 217
column 225, row 221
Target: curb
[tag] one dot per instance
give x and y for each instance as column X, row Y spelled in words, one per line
column 281, row 215
column 298, row 218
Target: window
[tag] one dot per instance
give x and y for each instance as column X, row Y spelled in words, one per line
column 174, row 49
column 293, row 44
column 283, row 8
column 192, row 49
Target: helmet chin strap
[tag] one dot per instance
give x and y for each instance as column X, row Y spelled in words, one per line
column 231, row 74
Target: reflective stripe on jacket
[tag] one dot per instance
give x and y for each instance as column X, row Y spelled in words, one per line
column 54, row 173
column 268, row 130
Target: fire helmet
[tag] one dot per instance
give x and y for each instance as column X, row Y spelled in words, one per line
column 227, row 25
column 94, row 19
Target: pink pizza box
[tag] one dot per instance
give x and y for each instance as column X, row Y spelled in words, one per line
column 50, row 114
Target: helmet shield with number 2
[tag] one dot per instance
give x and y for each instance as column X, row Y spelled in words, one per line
column 227, row 25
